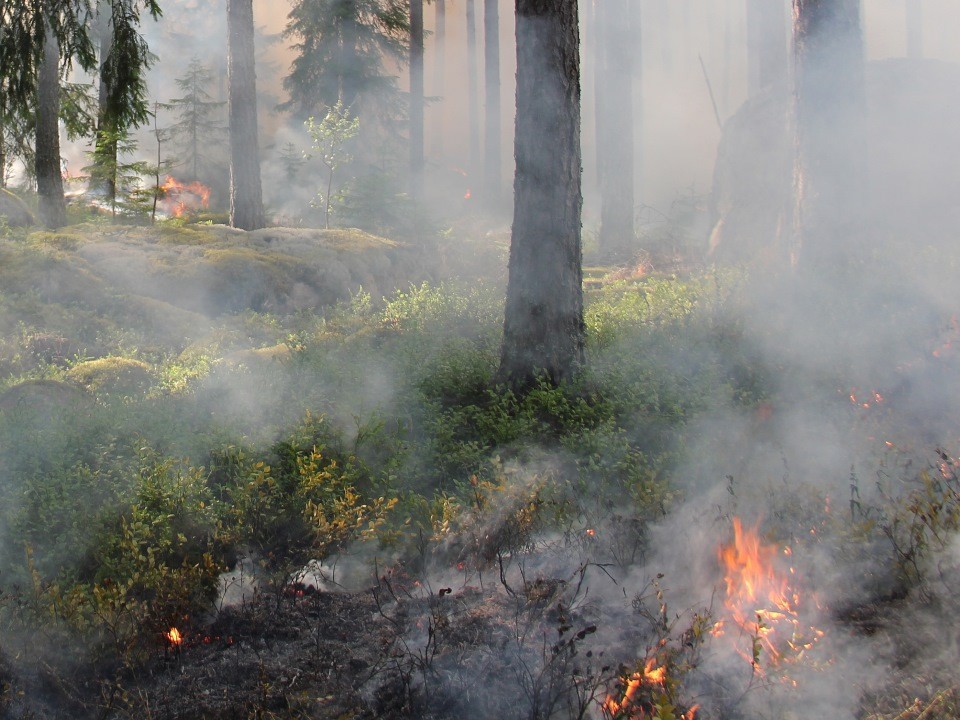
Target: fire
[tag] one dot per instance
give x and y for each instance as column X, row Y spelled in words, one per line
column 633, row 705
column 760, row 600
column 174, row 637
column 180, row 198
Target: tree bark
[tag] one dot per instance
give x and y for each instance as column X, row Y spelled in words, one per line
column 246, row 199
column 914, row 29
column 52, row 205
column 3, row 160
column 543, row 325
column 473, row 97
column 616, row 143
column 439, row 66
column 491, row 75
column 105, row 143
column 599, row 73
column 830, row 108
column 766, row 44
column 416, row 98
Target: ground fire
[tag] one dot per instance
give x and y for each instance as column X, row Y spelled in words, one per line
column 761, row 601
column 634, row 703
column 180, row 198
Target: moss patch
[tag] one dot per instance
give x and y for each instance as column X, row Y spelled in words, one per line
column 112, row 375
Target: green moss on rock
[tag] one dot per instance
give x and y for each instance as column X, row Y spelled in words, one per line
column 112, row 375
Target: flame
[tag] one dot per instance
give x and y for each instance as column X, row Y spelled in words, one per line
column 649, row 676
column 761, row 601
column 180, row 198
column 468, row 194
column 174, row 637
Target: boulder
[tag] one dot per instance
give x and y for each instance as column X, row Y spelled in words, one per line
column 15, row 210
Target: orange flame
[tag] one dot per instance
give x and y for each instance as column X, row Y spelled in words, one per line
column 648, row 676
column 174, row 637
column 760, row 601
column 180, row 198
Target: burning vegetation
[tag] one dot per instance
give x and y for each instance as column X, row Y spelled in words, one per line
column 179, row 199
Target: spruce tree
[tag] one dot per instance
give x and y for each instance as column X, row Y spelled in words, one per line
column 197, row 133
column 342, row 46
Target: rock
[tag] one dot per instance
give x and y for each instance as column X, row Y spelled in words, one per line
column 15, row 210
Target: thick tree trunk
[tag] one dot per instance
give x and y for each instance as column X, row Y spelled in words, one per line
column 914, row 29
column 829, row 92
column 543, row 325
column 53, row 207
column 439, row 66
column 416, row 98
column 491, row 63
column 473, row 97
column 766, row 44
column 616, row 143
column 246, row 199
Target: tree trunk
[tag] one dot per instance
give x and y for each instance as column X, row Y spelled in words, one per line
column 616, row 146
column 829, row 95
column 766, row 43
column 915, row 29
column 599, row 10
column 491, row 76
column 543, row 325
column 105, row 142
column 439, row 63
column 349, row 37
column 3, row 160
column 473, row 98
column 52, row 205
column 246, row 199
column 416, row 98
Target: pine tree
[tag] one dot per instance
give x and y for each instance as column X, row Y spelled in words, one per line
column 124, row 61
column 38, row 40
column 246, row 194
column 416, row 99
column 543, row 332
column 197, row 133
column 830, row 102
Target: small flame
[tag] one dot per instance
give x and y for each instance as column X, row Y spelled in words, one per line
column 468, row 194
column 650, row 675
column 180, row 198
column 174, row 637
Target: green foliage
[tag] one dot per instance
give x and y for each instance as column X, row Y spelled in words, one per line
column 341, row 48
column 304, row 506
column 330, row 139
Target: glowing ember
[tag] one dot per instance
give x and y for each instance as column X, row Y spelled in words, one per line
column 760, row 601
column 174, row 637
column 181, row 198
